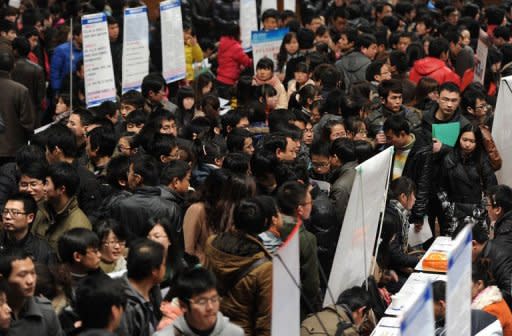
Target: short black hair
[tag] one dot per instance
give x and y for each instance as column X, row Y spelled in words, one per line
column 237, row 163
column 290, row 195
column 137, row 117
column 162, row 144
column 103, row 140
column 388, row 86
column 236, row 139
column 501, row 196
column 401, row 185
column 439, row 290
column 29, row 203
column 397, row 123
column 76, row 240
column 174, row 169
column 60, row 136
column 152, row 82
column 147, row 167
column 495, row 15
column 344, row 149
column 21, row 45
column 320, row 148
column 64, row 174
column 365, row 41
column 94, row 299
column 117, row 170
column 26, row 155
column 263, row 163
column 36, row 170
column 6, row 260
column 438, row 46
column 265, row 63
column 104, row 226
column 469, row 97
column 133, row 98
column 374, row 69
column 270, row 13
column 355, row 298
column 249, row 217
column 450, row 87
column 143, row 258
column 193, row 281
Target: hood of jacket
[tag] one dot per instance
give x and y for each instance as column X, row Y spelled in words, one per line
column 227, row 42
column 220, row 326
column 428, row 65
column 354, row 61
column 230, row 251
column 488, row 296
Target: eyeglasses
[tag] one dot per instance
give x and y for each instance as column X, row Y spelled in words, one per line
column 13, row 212
column 320, row 164
column 32, row 185
column 121, row 243
column 204, row 301
column 481, row 107
column 122, row 148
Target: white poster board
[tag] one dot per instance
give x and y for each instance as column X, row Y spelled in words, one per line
column 418, row 320
column 248, row 22
column 14, row 3
column 267, row 44
column 135, row 47
column 99, row 72
column 502, row 130
column 482, row 50
column 285, row 290
column 268, row 4
column 352, row 261
column 458, row 285
column 174, row 66
column 289, row 4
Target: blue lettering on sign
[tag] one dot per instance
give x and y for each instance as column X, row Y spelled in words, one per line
column 169, row 4
column 138, row 10
column 96, row 18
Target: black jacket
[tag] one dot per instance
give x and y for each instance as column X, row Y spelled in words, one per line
column 38, row 248
column 326, row 227
column 503, row 229
column 392, row 254
column 146, row 202
column 9, row 177
column 500, row 256
column 31, row 75
column 225, row 12
column 89, row 192
column 418, row 168
column 465, row 180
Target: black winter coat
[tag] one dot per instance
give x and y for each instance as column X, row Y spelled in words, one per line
column 146, row 202
column 391, row 252
column 500, row 256
column 226, row 12
column 503, row 229
column 418, row 168
column 465, row 180
column 36, row 247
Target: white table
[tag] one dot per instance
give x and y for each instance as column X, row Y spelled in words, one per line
column 441, row 244
column 387, row 326
column 409, row 291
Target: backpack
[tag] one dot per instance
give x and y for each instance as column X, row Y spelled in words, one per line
column 334, row 318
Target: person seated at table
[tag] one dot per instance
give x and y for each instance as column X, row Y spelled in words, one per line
column 487, row 297
column 351, row 315
column 393, row 255
column 480, row 319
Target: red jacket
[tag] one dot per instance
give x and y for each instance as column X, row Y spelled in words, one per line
column 434, row 68
column 232, row 60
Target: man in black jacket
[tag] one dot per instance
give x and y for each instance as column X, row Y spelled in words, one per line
column 61, row 147
column 29, row 74
column 413, row 159
column 500, row 257
column 499, row 210
column 147, row 201
column 17, row 216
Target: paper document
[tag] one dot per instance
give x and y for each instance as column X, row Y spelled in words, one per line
column 416, row 238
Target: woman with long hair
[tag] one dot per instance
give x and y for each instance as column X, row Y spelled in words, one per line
column 289, row 49
column 212, row 211
column 467, row 174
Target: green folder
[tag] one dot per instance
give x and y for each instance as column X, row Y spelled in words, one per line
column 446, row 133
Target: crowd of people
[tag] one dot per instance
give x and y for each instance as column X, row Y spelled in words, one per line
column 159, row 213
